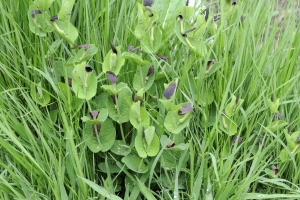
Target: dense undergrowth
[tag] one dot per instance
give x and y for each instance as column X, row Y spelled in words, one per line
column 204, row 104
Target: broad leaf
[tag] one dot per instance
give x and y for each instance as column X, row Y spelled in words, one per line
column 145, row 20
column 66, row 9
column 104, row 140
column 135, row 58
column 66, row 29
column 39, row 24
column 119, row 112
column 135, row 163
column 139, row 115
column 39, row 94
column 83, row 54
column 43, row 4
column 84, row 84
column 152, row 40
column 113, row 62
column 141, row 80
column 146, row 142
column 120, row 148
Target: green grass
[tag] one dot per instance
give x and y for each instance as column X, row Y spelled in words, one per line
column 43, row 155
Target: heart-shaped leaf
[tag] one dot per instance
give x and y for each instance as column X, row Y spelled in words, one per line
column 66, row 9
column 43, row 4
column 145, row 20
column 100, row 118
column 135, row 58
column 141, row 80
column 39, row 22
column 84, row 83
column 66, row 29
column 146, row 141
column 119, row 111
column 139, row 115
column 229, row 125
column 120, row 148
column 39, row 94
column 113, row 62
column 105, row 138
column 151, row 41
column 135, row 163
column 233, row 106
column 85, row 52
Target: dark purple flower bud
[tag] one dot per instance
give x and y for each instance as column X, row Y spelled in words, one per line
column 35, row 12
column 170, row 90
column 150, row 71
column 185, row 109
column 233, row 2
column 217, row 17
column 280, row 116
column 162, row 57
column 54, row 18
column 88, row 69
column 85, row 46
column 94, row 114
column 170, row 144
column 111, row 77
column 275, row 169
column 113, row 48
column 148, row 2
column 206, row 14
column 236, row 139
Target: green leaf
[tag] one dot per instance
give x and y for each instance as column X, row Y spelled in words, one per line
column 201, row 25
column 43, row 4
column 140, row 79
column 171, row 156
column 135, row 163
column 152, row 40
column 66, row 9
column 84, row 84
column 100, row 190
column 205, row 96
column 276, row 125
column 196, row 45
column 145, row 20
column 273, row 105
column 120, row 148
column 39, row 94
column 187, row 12
column 103, row 140
column 53, row 48
column 113, row 168
column 66, row 29
column 65, row 89
column 100, row 100
column 113, row 62
column 168, row 12
column 135, row 58
column 174, row 122
column 39, row 24
column 139, row 115
column 103, row 114
column 120, row 111
column 229, row 125
column 148, row 145
column 233, row 106
column 83, row 54
column 115, row 89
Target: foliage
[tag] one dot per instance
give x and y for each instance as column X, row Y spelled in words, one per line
column 197, row 108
